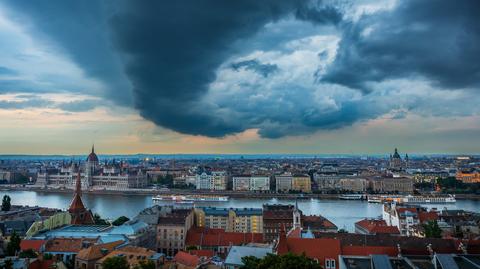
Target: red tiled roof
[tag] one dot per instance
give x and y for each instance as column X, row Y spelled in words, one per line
column 186, row 259
column 375, row 226
column 32, row 244
column 218, row 237
column 369, row 250
column 66, row 244
column 96, row 252
column 315, row 248
column 203, row 253
column 427, row 216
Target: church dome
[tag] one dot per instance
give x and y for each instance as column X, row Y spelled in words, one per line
column 92, row 157
column 396, row 155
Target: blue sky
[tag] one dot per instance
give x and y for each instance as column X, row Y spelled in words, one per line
column 271, row 76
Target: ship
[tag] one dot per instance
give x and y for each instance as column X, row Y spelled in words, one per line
column 412, row 199
column 185, row 199
column 351, row 196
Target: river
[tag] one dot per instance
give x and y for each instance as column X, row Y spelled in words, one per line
column 343, row 213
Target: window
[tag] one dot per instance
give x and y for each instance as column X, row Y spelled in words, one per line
column 330, row 264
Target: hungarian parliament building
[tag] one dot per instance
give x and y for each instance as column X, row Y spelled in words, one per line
column 94, row 176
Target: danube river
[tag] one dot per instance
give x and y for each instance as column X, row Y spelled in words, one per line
column 343, row 213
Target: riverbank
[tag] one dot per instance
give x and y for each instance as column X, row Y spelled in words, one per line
column 232, row 194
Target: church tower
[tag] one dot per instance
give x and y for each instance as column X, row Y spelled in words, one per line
column 90, row 167
column 80, row 215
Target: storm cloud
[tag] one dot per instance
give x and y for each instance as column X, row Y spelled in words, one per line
column 215, row 68
column 438, row 40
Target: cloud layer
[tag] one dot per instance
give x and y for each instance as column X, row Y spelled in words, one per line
column 217, row 68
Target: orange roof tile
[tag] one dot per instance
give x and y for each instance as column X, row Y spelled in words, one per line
column 186, row 259
column 32, row 244
column 96, row 252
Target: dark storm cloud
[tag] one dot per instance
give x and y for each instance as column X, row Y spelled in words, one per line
column 254, row 65
column 173, row 49
column 81, row 29
column 439, row 40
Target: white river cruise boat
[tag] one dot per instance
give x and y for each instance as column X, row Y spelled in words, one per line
column 412, row 199
column 190, row 198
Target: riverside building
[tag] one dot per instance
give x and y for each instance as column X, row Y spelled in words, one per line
column 94, row 176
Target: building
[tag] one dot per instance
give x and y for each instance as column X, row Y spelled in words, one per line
column 94, row 176
column 87, row 257
column 283, row 182
column 319, row 224
column 236, row 253
column 354, row 184
column 241, row 220
column 468, row 177
column 391, row 184
column 301, row 183
column 80, row 215
column 211, row 180
column 219, row 241
column 172, row 229
column 250, row 183
column 275, row 219
column 404, row 218
column 396, row 163
column 134, row 256
column 375, row 226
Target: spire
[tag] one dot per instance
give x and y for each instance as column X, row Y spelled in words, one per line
column 78, row 186
column 93, row 148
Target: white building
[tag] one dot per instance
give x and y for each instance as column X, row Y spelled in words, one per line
column 404, row 218
column 211, row 180
column 250, row 183
column 283, row 182
column 94, row 176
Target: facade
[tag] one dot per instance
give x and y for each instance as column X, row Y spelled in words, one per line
column 468, row 177
column 240, row 220
column 93, row 176
column 283, row 182
column 302, row 183
column 211, row 180
column 354, row 184
column 392, row 185
column 275, row 219
column 134, row 256
column 250, row 183
column 404, row 218
column 396, row 163
column 172, row 230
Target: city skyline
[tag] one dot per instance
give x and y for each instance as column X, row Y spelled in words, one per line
column 270, row 77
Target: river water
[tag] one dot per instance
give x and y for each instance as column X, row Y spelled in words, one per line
column 343, row 213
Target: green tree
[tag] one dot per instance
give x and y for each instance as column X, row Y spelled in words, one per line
column 47, row 256
column 120, row 220
column 29, row 253
column 99, row 221
column 14, row 244
column 432, row 230
column 286, row 261
column 115, row 262
column 6, row 203
column 145, row 265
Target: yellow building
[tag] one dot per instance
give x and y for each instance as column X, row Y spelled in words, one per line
column 468, row 177
column 242, row 220
column 302, row 183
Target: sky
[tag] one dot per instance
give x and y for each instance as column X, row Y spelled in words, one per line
column 247, row 76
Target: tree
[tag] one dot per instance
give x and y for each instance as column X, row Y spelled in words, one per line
column 14, row 244
column 29, row 253
column 146, row 265
column 115, row 262
column 120, row 220
column 8, row 264
column 432, row 230
column 99, row 221
column 286, row 261
column 6, row 205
